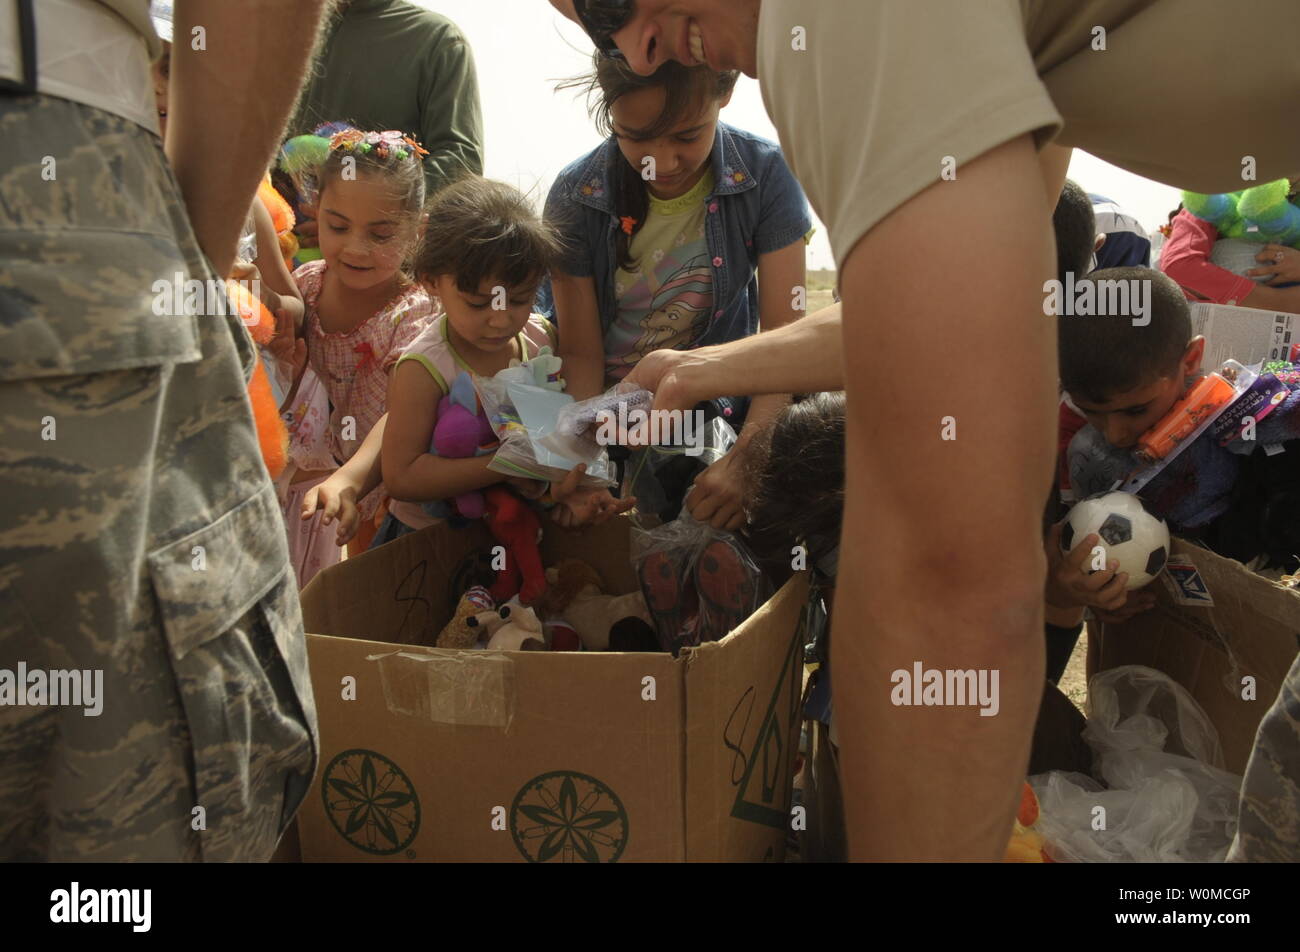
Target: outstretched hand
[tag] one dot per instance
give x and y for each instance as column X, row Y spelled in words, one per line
column 578, row 505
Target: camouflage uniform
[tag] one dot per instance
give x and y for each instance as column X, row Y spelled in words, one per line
column 144, row 539
column 1268, row 823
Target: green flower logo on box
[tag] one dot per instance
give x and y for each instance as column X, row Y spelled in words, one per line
column 568, row 817
column 370, row 801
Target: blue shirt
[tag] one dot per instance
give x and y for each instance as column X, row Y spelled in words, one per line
column 756, row 207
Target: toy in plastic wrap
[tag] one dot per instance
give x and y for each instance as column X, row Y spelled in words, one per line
column 461, row 432
column 584, row 429
column 1027, row 844
column 699, row 582
column 1211, row 393
column 1129, row 534
column 513, row 523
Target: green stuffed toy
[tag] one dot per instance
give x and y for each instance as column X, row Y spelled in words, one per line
column 1264, row 214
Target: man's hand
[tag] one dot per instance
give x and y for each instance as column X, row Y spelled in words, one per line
column 673, row 376
column 337, row 498
column 717, row 495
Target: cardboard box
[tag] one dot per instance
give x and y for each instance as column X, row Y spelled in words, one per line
column 1215, row 624
column 511, row 756
column 1245, row 334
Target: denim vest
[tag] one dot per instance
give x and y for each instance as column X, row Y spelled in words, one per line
column 756, row 207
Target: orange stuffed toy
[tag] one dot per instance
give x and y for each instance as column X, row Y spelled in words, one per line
column 272, row 436
column 1027, row 845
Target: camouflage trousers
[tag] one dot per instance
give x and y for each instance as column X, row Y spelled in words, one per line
column 140, row 537
column 1268, row 821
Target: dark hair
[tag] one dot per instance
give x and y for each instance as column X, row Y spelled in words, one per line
column 795, row 474
column 1075, row 225
column 479, row 229
column 1102, row 355
column 688, row 90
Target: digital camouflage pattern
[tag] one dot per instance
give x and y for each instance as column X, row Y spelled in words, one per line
column 144, row 538
column 1268, row 822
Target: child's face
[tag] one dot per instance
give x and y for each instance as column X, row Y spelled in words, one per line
column 680, row 155
column 1124, row 417
column 364, row 231
column 473, row 316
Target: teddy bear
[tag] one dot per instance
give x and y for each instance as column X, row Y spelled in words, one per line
column 574, row 594
column 458, row 633
column 512, row 627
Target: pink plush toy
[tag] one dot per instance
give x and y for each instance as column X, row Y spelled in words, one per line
column 461, row 432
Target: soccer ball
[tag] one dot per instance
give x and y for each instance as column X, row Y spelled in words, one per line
column 1132, row 536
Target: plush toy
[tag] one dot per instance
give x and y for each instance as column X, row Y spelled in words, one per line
column 458, row 633
column 1027, row 845
column 461, row 432
column 561, row 636
column 513, row 523
column 272, row 435
column 1263, row 213
column 574, row 594
column 282, row 218
column 522, row 630
column 633, row 634
column 487, row 623
column 540, row 370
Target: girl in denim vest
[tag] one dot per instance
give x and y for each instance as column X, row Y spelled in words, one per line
column 672, row 227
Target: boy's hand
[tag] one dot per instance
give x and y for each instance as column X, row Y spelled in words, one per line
column 337, row 498
column 716, row 496
column 1071, row 581
column 1281, row 263
column 579, row 506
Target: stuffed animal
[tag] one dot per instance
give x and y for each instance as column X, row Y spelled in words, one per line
column 282, row 217
column 540, row 370
column 461, row 432
column 575, row 595
column 522, row 630
column 513, row 523
column 457, row 633
column 1027, row 845
column 633, row 634
column 486, row 624
column 272, row 435
column 1263, row 213
column 561, row 636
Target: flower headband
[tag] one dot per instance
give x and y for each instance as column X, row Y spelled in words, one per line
column 382, row 144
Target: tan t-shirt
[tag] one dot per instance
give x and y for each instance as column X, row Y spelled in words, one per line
column 136, row 13
column 882, row 91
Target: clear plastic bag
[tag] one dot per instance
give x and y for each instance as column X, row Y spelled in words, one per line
column 699, row 582
column 581, row 431
column 1164, row 793
column 659, row 476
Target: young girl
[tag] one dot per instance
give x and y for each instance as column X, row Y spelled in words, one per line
column 362, row 311
column 681, row 231
column 483, row 256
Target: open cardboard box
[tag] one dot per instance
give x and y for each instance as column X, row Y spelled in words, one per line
column 1215, row 625
column 438, row 755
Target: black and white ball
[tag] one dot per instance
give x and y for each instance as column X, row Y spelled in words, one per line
column 1130, row 534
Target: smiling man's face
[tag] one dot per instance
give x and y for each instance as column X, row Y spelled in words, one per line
column 722, row 33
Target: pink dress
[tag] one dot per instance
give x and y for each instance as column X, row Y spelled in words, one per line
column 341, row 397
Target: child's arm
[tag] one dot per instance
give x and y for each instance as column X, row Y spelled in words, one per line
column 338, row 494
column 582, row 343
column 279, row 290
column 410, row 471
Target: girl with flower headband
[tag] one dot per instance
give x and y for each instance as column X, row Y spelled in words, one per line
column 362, row 311
column 674, row 226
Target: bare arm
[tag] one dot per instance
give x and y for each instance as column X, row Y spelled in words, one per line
column 582, row 344
column 943, row 559
column 802, row 357
column 411, row 472
column 779, row 273
column 244, row 80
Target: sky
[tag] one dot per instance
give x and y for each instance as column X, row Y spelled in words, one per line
column 532, row 131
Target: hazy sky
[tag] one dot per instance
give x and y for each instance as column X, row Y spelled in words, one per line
column 532, row 131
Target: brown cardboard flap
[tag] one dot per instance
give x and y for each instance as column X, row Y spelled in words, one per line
column 1249, row 631
column 742, row 733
